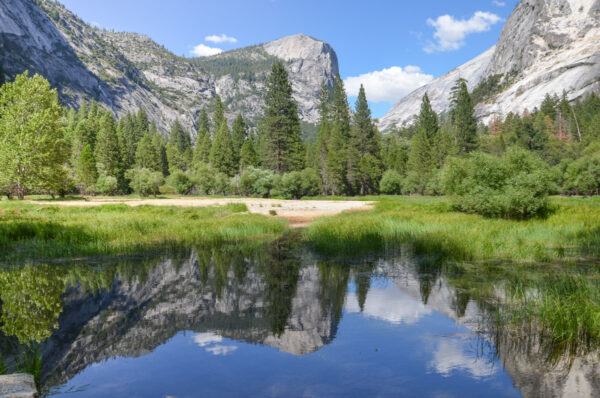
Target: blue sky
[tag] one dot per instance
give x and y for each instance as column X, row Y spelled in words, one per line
column 375, row 40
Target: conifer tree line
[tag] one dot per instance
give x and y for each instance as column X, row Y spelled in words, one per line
column 47, row 148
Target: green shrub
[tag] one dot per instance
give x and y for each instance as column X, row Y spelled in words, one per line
column 515, row 186
column 222, row 184
column 145, row 182
column 256, row 182
column 181, row 182
column 203, row 179
column 106, row 185
column 311, row 182
column 391, row 183
column 582, row 176
column 412, row 184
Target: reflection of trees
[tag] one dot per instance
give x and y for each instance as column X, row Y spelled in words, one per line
column 31, row 302
column 333, row 288
column 362, row 279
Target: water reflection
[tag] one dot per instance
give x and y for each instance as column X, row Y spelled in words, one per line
column 410, row 325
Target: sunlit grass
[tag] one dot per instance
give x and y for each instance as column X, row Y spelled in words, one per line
column 30, row 231
column 429, row 224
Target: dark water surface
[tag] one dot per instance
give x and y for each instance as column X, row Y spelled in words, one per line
column 277, row 321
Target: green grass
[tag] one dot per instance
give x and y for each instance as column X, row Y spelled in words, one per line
column 429, row 225
column 30, row 231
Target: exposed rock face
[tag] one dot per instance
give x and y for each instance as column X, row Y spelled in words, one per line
column 546, row 47
column 127, row 71
column 438, row 91
column 17, row 386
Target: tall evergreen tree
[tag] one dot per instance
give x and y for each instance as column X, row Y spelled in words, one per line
column 219, row 114
column 422, row 159
column 337, row 144
column 463, row 118
column 364, row 150
column 323, row 136
column 85, row 170
column 179, row 148
column 147, row 155
column 239, row 134
column 203, row 140
column 248, row 156
column 281, row 132
column 222, row 157
column 107, row 151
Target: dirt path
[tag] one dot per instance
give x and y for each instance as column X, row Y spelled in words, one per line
column 299, row 212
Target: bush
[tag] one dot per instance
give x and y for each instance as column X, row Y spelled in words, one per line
column 106, row 185
column 412, row 184
column 181, row 182
column 391, row 183
column 222, row 184
column 583, row 175
column 256, row 182
column 145, row 182
column 311, row 182
column 515, row 186
column 203, row 179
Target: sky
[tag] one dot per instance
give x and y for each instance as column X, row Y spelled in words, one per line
column 390, row 46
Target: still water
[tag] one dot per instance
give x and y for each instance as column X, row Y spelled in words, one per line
column 278, row 321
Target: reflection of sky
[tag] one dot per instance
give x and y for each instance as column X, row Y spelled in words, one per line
column 453, row 354
column 388, row 303
column 210, row 340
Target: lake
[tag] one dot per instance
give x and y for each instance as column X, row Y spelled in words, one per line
column 278, row 320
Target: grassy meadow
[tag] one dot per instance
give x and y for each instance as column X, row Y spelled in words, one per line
column 31, row 231
column 429, row 225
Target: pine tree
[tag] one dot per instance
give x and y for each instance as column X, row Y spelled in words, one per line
column 222, row 157
column 364, row 151
column 422, row 159
column 219, row 114
column 146, row 155
column 463, row 118
column 239, row 134
column 161, row 148
column 281, row 132
column 179, row 138
column 85, row 172
column 248, row 156
column 323, row 136
column 107, row 151
column 178, row 148
column 336, row 168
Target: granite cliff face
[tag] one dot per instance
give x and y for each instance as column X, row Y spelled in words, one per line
column 546, row 47
column 128, row 71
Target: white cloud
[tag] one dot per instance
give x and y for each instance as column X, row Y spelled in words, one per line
column 450, row 33
column 205, row 51
column 204, row 339
column 388, row 85
column 221, row 349
column 220, row 39
column 499, row 3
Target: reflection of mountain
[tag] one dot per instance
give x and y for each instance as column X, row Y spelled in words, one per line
column 239, row 299
column 531, row 368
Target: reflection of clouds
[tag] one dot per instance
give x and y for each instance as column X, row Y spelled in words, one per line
column 221, row 349
column 204, row 339
column 450, row 356
column 390, row 304
column 211, row 339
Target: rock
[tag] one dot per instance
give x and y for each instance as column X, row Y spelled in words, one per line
column 129, row 71
column 546, row 47
column 18, row 386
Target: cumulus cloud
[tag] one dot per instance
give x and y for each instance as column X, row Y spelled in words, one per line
column 388, row 85
column 450, row 33
column 220, row 39
column 205, row 51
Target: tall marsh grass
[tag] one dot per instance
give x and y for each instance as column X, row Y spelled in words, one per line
column 430, row 225
column 29, row 231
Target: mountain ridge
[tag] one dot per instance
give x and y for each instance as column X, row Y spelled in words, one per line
column 545, row 47
column 126, row 71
